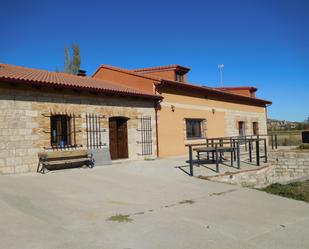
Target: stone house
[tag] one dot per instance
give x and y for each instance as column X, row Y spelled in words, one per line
column 44, row 111
column 189, row 113
column 117, row 113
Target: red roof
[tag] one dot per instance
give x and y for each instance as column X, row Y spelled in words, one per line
column 131, row 72
column 18, row 74
column 161, row 68
column 249, row 88
column 215, row 92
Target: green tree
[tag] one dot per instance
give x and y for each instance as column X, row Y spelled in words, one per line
column 71, row 64
column 75, row 62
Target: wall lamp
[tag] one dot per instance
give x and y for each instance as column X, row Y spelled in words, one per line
column 172, row 108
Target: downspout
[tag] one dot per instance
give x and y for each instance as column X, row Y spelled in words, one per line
column 266, row 115
column 156, row 107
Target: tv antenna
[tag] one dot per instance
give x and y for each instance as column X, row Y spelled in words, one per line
column 220, row 68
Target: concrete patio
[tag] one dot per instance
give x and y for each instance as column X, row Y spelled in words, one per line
column 70, row 208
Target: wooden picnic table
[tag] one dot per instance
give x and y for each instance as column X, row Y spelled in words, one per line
column 216, row 153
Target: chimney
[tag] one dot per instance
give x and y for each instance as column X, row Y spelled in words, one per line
column 81, row 73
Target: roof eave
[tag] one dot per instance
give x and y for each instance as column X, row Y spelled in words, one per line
column 217, row 93
column 91, row 89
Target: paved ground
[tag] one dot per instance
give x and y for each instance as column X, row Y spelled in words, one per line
column 69, row 209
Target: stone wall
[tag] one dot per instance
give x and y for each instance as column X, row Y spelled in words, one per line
column 290, row 164
column 25, row 122
column 257, row 178
column 283, row 167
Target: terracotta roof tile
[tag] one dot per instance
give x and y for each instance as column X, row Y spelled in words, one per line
column 158, row 68
column 42, row 77
column 250, row 88
column 214, row 92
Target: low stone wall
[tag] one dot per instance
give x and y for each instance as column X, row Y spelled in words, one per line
column 284, row 166
column 289, row 165
column 256, row 178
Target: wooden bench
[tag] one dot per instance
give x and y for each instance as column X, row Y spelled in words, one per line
column 54, row 159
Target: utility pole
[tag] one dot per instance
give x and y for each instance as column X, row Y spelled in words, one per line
column 220, row 68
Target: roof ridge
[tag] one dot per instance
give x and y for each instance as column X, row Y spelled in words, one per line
column 235, row 87
column 128, row 71
column 159, row 68
column 36, row 69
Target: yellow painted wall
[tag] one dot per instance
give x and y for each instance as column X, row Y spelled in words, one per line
column 171, row 124
column 172, row 128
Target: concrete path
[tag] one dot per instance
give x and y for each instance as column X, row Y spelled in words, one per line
column 69, row 209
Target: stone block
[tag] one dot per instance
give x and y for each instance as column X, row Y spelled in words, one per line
column 21, row 169
column 21, row 152
column 25, row 131
column 12, row 161
column 31, row 113
column 7, row 170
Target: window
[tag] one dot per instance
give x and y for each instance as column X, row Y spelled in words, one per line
column 241, row 128
column 194, row 128
column 179, row 77
column 94, row 131
column 60, row 130
column 146, row 135
column 255, row 128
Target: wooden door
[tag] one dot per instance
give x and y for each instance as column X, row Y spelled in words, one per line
column 113, row 138
column 122, row 134
column 118, row 137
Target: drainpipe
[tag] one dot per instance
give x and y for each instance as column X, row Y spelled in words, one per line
column 156, row 107
column 266, row 115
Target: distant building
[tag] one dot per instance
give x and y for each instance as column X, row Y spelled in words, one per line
column 280, row 125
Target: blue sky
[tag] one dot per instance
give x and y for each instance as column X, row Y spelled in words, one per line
column 264, row 43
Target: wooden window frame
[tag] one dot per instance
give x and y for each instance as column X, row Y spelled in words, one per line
column 179, row 77
column 61, row 130
column 201, row 124
column 255, row 128
column 243, row 128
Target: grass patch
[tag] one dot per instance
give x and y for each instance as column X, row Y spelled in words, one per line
column 303, row 147
column 186, row 202
column 120, row 218
column 296, row 190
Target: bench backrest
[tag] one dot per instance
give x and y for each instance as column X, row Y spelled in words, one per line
column 60, row 155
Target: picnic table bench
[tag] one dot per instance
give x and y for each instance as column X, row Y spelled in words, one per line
column 216, row 154
column 53, row 159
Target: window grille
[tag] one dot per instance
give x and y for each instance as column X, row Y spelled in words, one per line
column 146, row 135
column 94, row 131
column 61, row 134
